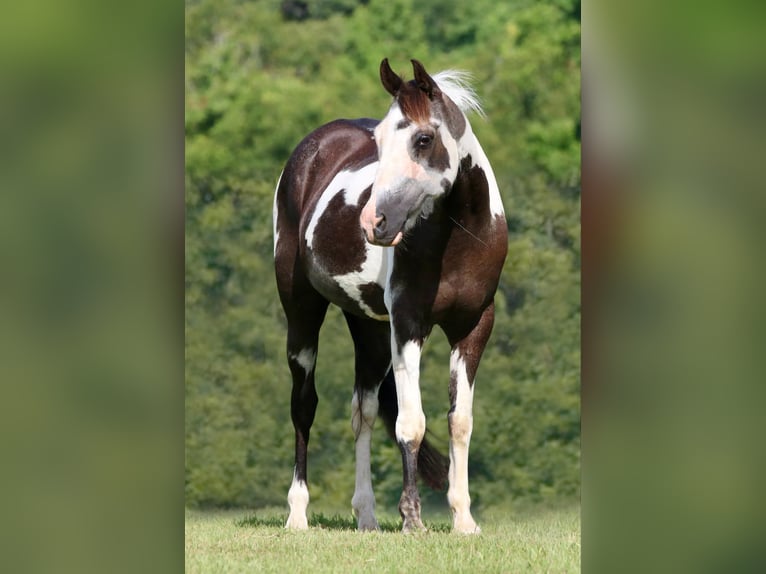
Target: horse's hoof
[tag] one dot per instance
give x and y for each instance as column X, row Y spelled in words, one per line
column 466, row 528
column 412, row 526
column 294, row 523
column 368, row 526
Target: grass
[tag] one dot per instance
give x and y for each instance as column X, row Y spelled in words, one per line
column 534, row 540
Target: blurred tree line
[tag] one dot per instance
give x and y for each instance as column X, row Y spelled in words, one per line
column 262, row 74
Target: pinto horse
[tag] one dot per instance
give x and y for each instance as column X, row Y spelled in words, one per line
column 399, row 223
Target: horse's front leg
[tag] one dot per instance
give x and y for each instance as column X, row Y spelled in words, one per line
column 464, row 361
column 410, row 422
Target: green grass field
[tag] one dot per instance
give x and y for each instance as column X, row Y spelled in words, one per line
column 533, row 540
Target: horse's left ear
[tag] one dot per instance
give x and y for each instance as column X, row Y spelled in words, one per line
column 390, row 80
column 424, row 81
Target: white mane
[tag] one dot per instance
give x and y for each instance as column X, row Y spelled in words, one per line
column 456, row 85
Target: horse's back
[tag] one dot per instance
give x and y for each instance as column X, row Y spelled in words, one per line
column 319, row 198
column 336, row 146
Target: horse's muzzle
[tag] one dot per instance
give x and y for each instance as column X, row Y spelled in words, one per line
column 378, row 232
column 384, row 234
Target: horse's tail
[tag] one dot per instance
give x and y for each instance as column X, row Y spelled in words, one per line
column 433, row 466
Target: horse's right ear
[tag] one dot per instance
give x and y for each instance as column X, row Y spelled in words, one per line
column 391, row 81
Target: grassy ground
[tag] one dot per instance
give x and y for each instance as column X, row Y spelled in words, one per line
column 243, row 541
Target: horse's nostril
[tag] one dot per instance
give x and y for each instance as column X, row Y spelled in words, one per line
column 380, row 227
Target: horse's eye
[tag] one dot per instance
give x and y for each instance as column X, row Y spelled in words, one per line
column 424, row 140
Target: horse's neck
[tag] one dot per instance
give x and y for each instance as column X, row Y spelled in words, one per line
column 471, row 155
column 469, row 146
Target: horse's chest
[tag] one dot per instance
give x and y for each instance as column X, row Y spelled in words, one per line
column 456, row 283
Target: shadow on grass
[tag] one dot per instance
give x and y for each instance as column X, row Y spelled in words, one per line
column 335, row 522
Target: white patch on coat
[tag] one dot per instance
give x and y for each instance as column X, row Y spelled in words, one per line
column 470, row 145
column 373, row 271
column 411, row 421
column 362, row 420
column 298, row 499
column 275, row 213
column 306, row 358
column 389, row 291
column 351, row 183
column 461, row 427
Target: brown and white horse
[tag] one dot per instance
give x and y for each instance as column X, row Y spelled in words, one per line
column 400, row 223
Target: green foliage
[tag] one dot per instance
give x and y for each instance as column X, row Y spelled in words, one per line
column 257, row 81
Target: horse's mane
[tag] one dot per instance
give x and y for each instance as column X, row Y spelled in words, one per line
column 456, row 85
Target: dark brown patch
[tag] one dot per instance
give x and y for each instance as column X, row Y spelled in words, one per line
column 453, row 117
column 439, row 156
column 435, row 156
column 364, row 198
column 338, row 243
column 372, row 296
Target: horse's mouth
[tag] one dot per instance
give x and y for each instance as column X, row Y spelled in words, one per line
column 370, row 236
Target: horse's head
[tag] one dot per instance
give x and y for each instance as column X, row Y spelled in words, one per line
column 417, row 152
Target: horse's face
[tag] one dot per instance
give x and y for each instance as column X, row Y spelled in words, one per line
column 417, row 153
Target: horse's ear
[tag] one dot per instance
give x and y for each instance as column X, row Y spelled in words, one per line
column 390, row 80
column 424, row 81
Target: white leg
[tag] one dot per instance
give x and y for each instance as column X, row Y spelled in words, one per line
column 461, row 426
column 298, row 499
column 411, row 421
column 364, row 409
column 410, row 428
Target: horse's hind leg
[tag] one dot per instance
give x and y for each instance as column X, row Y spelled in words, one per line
column 303, row 323
column 373, row 361
column 464, row 361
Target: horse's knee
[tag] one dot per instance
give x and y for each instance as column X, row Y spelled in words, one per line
column 302, row 361
column 364, row 410
column 460, row 427
column 410, row 427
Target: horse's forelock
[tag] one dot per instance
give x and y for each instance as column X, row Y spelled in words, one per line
column 414, row 103
column 454, row 84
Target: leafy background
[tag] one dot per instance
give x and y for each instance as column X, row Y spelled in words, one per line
column 262, row 74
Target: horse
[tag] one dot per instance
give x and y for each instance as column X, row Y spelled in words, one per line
column 400, row 223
